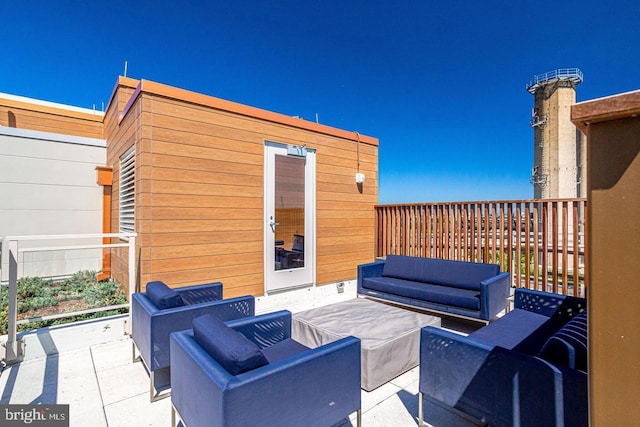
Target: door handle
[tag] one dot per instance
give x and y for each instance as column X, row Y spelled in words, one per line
column 273, row 225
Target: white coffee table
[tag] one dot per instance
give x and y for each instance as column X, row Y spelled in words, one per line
column 390, row 336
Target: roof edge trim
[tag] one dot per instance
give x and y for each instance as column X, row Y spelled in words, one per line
column 604, row 109
column 39, row 105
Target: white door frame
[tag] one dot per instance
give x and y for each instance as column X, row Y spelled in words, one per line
column 280, row 280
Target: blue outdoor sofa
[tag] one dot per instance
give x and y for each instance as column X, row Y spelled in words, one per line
column 459, row 288
column 528, row 368
column 250, row 372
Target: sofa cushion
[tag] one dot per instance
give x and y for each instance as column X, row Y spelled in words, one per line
column 162, row 296
column 568, row 346
column 403, row 267
column 519, row 329
column 283, row 349
column 232, row 350
column 456, row 297
column 459, row 274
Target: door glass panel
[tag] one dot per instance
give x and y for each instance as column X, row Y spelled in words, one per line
column 289, row 212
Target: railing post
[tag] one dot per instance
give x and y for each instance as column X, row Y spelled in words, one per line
column 13, row 346
column 132, row 277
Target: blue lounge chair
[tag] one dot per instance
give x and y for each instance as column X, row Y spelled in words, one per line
column 250, row 372
column 161, row 310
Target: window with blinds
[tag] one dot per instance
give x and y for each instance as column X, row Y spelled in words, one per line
column 127, row 190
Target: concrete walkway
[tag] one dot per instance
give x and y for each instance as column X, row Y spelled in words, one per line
column 88, row 366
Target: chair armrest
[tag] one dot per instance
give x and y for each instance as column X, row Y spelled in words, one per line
column 155, row 326
column 201, row 293
column 561, row 307
column 141, row 311
column 373, row 269
column 493, row 293
column 576, row 398
column 448, row 362
column 495, row 385
column 266, row 329
column 321, row 386
column 195, row 373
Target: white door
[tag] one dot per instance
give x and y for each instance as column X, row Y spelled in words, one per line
column 289, row 216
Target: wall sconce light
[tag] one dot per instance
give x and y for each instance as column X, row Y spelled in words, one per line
column 359, row 175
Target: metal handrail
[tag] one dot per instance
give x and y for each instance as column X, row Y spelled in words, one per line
column 14, row 346
column 572, row 74
column 124, row 236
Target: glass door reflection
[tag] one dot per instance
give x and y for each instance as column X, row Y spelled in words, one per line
column 288, row 222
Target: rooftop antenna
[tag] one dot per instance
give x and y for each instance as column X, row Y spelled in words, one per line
column 125, row 68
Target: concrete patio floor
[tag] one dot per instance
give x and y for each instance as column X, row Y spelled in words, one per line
column 88, row 366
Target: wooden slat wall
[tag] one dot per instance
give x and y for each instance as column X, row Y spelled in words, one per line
column 199, row 194
column 24, row 115
column 345, row 217
column 508, row 232
column 122, row 136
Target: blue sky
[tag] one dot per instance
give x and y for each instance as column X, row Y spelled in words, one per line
column 441, row 84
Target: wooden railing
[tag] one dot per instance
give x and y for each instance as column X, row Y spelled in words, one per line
column 541, row 242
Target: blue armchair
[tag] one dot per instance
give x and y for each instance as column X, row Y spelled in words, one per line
column 161, row 310
column 255, row 374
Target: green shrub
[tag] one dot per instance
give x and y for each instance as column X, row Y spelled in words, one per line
column 35, row 293
column 104, row 294
column 35, row 303
column 78, row 283
column 30, row 287
column 4, row 319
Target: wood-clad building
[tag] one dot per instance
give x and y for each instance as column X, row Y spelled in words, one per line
column 219, row 191
column 207, row 172
column 25, row 113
